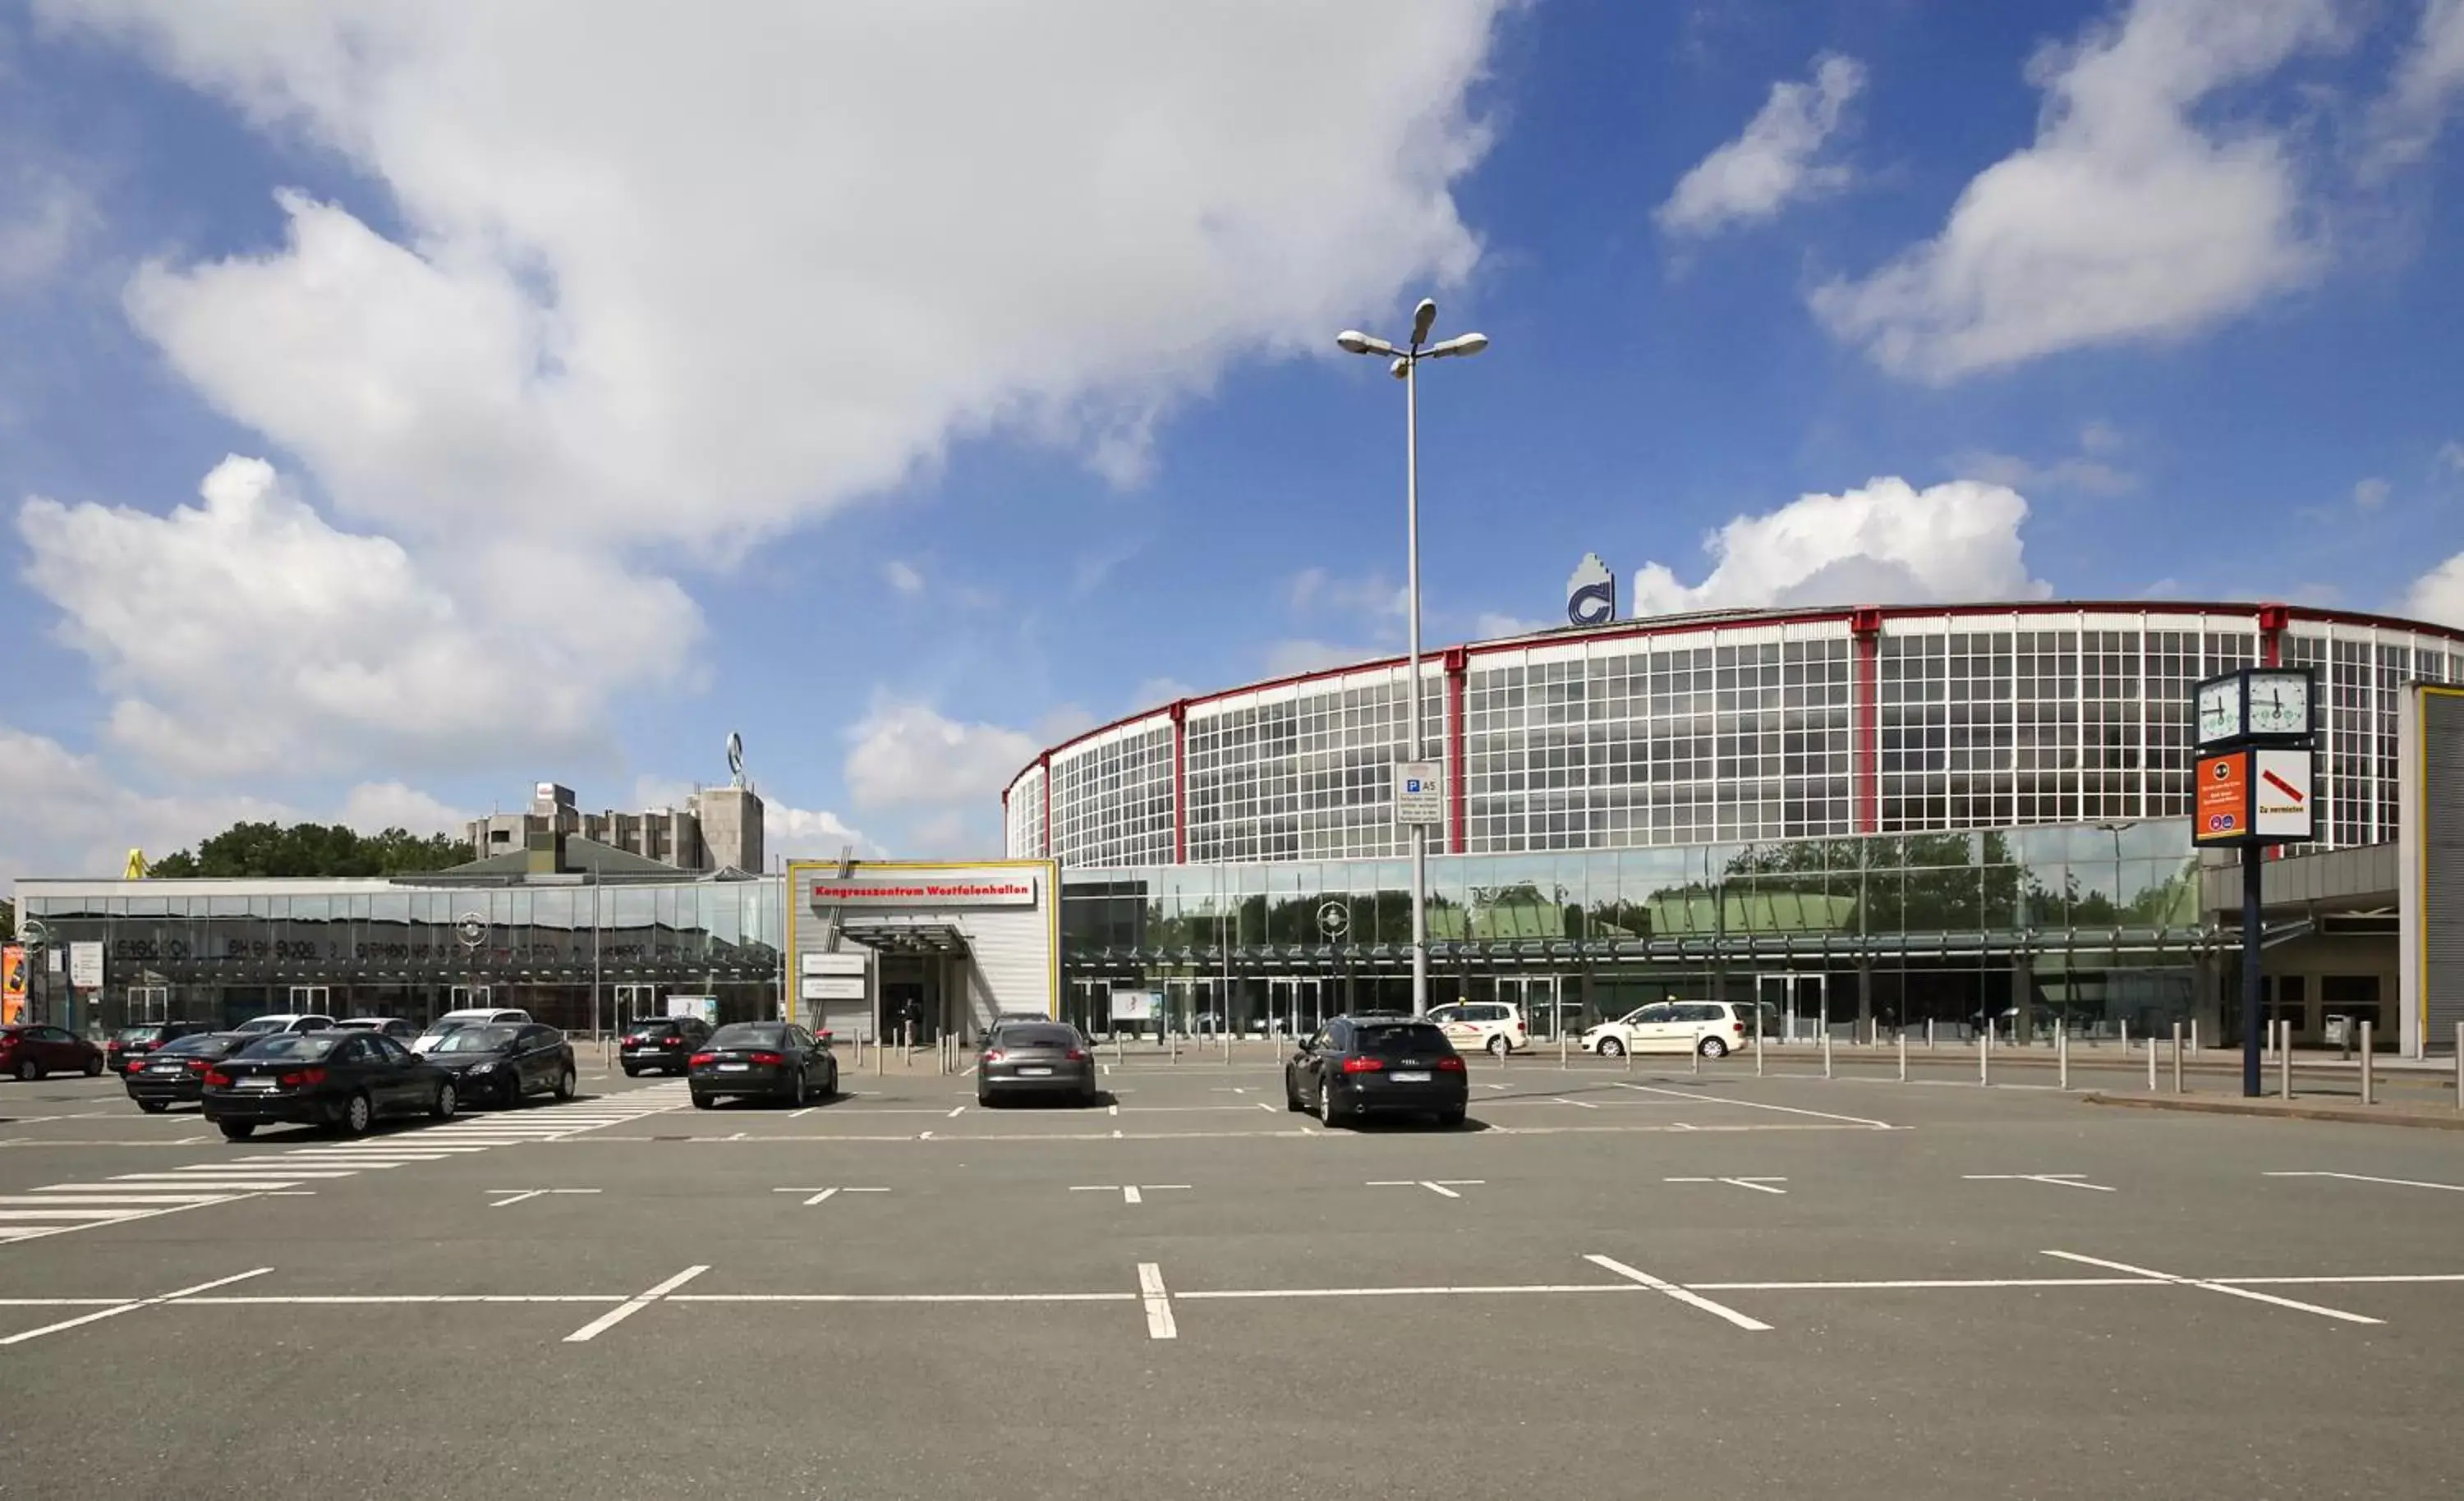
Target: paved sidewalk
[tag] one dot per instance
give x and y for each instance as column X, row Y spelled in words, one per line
column 2404, row 1114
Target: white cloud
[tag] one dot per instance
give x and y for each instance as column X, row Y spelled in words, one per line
column 902, row 576
column 907, row 754
column 374, row 807
column 1156, row 692
column 808, row 833
column 2091, row 470
column 1884, row 544
column 603, row 331
column 1491, row 624
column 2450, row 456
column 1287, row 658
column 2369, row 495
column 1774, row 161
column 2438, row 595
column 68, row 815
column 2127, row 220
column 246, row 636
column 1317, row 590
column 2409, row 118
column 43, row 218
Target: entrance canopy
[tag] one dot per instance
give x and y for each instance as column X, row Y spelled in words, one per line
column 907, row 936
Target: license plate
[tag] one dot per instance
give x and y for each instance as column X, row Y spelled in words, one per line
column 1411, row 1078
column 256, row 1081
column 1035, row 1073
column 733, row 1068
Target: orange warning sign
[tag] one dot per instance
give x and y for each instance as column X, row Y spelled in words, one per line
column 2221, row 811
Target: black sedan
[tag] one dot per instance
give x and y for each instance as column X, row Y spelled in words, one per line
column 135, row 1042
column 504, row 1064
column 1356, row 1066
column 175, row 1073
column 1046, row 1059
column 772, row 1060
column 342, row 1080
column 666, row 1043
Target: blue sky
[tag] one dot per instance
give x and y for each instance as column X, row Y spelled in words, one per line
column 403, row 403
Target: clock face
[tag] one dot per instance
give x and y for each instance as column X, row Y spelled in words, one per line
column 2279, row 704
column 2220, row 710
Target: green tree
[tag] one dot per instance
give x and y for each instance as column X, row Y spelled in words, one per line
column 313, row 849
column 9, row 922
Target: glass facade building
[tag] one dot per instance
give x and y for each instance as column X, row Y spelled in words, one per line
column 1868, row 814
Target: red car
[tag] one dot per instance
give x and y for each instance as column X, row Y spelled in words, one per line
column 31, row 1050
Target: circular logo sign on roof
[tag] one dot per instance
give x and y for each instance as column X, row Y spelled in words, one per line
column 471, row 928
column 1334, row 919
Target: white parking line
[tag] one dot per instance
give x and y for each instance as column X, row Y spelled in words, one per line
column 1444, row 1188
column 2057, row 1180
column 958, row 1111
column 1690, row 1299
column 1758, row 1185
column 1754, row 1104
column 2397, row 1182
column 1159, row 1301
column 631, row 1306
column 2217, row 1287
column 520, row 1194
column 1580, row 1105
column 131, row 1307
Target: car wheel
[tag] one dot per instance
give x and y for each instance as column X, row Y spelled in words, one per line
column 28, row 1071
column 631, row 1072
column 703, row 1101
column 797, row 1098
column 1292, row 1097
column 566, row 1084
column 92, row 1067
column 983, row 1101
column 1713, row 1048
column 358, row 1115
column 831, row 1088
column 447, row 1100
column 1611, row 1048
column 1325, row 1113
column 153, row 1107
column 1499, row 1046
column 238, row 1130
column 1450, row 1120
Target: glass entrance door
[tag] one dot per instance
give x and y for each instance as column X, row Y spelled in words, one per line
column 1543, row 999
column 150, row 1003
column 1796, row 1006
column 1295, row 1007
column 310, row 1000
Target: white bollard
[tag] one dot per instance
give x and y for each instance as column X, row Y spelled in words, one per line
column 2370, row 1068
column 2062, row 1055
column 1758, row 1052
column 1929, row 1035
column 2177, row 1057
column 1983, row 1057
column 1826, row 1053
column 2194, row 1036
column 2459, row 1065
column 1904, row 1057
column 2125, row 1036
column 2152, row 1063
column 1694, row 1062
column 2284, row 1060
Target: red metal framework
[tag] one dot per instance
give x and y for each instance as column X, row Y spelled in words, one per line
column 1457, row 668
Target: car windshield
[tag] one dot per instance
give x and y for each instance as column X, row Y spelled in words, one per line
column 1046, row 1034
column 426, row 1041
column 305, row 1046
column 1394, row 1039
column 474, row 1039
column 138, row 1034
column 650, row 1024
column 208, row 1046
column 750, row 1035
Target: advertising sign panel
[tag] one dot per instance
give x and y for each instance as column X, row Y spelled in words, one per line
column 891, row 894
column 832, row 988
column 1136, row 1005
column 85, row 966
column 13, row 984
column 2220, row 814
column 2282, row 807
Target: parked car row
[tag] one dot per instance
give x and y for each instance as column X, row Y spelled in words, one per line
column 346, row 1076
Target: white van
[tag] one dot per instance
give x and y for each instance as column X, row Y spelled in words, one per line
column 1496, row 1026
column 1713, row 1029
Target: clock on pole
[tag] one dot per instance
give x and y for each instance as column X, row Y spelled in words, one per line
column 2251, row 787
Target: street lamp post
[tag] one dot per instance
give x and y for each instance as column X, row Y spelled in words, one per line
column 1406, row 369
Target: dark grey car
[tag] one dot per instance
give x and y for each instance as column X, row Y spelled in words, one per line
column 1046, row 1059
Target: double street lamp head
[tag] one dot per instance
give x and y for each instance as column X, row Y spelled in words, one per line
column 1354, row 341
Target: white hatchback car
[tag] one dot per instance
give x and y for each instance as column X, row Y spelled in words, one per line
column 1713, row 1029
column 1496, row 1026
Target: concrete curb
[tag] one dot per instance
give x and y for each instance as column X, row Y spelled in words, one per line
column 2351, row 1115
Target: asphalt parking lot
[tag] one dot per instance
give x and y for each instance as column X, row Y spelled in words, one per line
column 1610, row 1283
